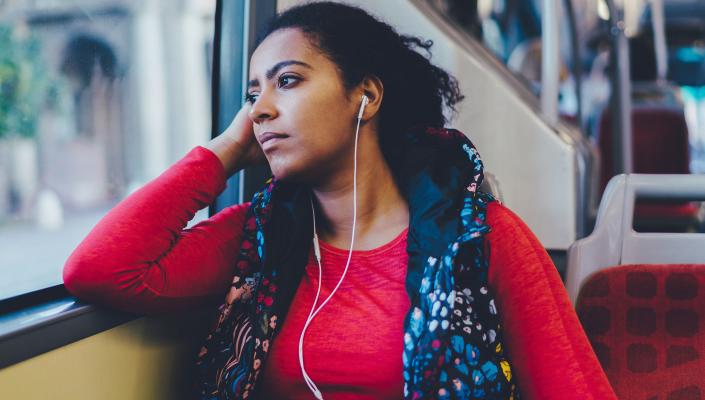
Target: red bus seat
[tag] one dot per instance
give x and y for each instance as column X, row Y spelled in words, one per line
column 660, row 146
column 645, row 323
column 640, row 296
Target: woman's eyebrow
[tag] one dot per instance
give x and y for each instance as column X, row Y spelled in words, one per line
column 272, row 71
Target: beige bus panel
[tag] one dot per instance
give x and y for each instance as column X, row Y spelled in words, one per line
column 149, row 358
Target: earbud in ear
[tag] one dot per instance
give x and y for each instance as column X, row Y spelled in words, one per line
column 363, row 103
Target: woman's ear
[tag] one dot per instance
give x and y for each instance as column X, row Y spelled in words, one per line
column 371, row 87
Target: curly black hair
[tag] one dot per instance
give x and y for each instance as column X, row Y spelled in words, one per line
column 360, row 45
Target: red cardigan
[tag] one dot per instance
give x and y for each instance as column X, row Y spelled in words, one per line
column 139, row 258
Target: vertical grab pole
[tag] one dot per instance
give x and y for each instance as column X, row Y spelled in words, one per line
column 658, row 24
column 550, row 59
column 621, row 101
column 577, row 69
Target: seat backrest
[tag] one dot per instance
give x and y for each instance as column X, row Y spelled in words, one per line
column 614, row 241
column 639, row 296
column 660, row 146
column 659, row 141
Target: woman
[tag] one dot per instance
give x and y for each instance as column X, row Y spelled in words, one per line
column 362, row 270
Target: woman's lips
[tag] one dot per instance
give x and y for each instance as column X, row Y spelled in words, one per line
column 269, row 139
column 268, row 136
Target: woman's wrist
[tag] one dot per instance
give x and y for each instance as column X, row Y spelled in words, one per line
column 228, row 152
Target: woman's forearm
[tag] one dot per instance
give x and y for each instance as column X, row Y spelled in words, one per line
column 140, row 258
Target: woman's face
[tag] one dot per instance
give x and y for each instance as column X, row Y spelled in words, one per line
column 303, row 117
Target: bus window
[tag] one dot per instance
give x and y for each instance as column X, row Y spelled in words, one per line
column 501, row 26
column 98, row 98
column 511, row 31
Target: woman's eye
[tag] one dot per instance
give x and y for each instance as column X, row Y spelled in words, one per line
column 287, row 80
column 284, row 81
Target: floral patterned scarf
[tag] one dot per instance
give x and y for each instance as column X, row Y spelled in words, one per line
column 453, row 337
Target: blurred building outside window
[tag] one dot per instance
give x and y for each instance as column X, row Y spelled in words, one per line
column 97, row 98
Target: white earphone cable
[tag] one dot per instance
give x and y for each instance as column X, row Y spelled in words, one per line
column 314, row 311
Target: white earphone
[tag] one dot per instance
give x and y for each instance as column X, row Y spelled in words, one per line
column 363, row 103
column 317, row 251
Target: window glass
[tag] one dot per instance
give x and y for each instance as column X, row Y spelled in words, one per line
column 97, row 97
column 511, row 31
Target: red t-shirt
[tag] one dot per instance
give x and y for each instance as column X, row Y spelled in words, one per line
column 139, row 258
column 353, row 347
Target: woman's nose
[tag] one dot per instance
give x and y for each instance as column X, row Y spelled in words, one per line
column 262, row 110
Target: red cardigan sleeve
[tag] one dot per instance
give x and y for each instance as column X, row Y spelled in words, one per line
column 139, row 258
column 548, row 349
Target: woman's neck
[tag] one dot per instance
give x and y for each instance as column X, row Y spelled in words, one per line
column 382, row 211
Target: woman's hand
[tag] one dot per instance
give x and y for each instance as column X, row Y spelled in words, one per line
column 237, row 147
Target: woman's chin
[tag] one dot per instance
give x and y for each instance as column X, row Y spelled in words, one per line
column 298, row 177
column 285, row 172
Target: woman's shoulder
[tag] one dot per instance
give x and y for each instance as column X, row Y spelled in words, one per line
column 505, row 224
column 500, row 214
column 515, row 250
